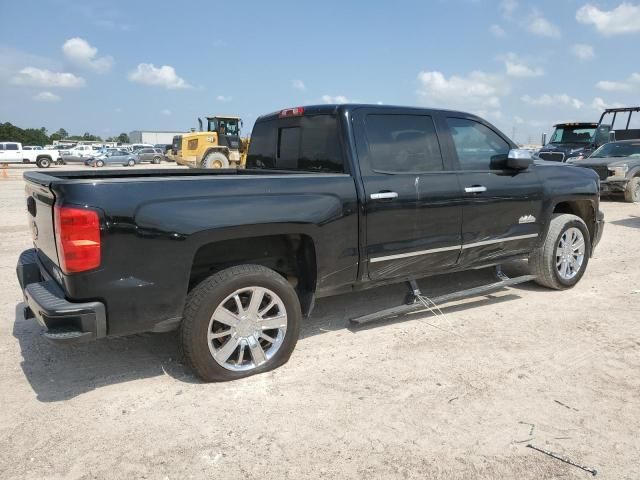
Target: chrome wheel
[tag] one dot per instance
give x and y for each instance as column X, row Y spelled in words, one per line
column 570, row 253
column 247, row 328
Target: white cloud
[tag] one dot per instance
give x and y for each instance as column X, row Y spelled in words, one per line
column 629, row 84
column 478, row 91
column 166, row 112
column 508, row 7
column 546, row 100
column 80, row 53
column 164, row 76
column 41, row 77
column 337, row 99
column 516, row 67
column 298, row 85
column 497, row 31
column 47, row 97
column 599, row 104
column 583, row 51
column 518, row 120
column 222, row 98
column 625, row 18
column 539, row 25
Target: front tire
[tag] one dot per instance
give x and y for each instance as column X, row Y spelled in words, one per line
column 215, row 160
column 239, row 322
column 562, row 259
column 43, row 162
column 156, row 160
column 632, row 190
column 99, row 163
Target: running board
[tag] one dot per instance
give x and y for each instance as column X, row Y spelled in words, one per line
column 419, row 304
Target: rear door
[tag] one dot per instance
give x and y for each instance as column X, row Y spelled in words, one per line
column 502, row 210
column 12, row 152
column 412, row 207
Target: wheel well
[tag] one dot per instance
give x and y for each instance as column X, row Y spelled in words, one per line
column 292, row 256
column 223, row 150
column 579, row 208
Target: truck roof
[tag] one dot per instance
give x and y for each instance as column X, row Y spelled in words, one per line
column 335, row 107
column 577, row 124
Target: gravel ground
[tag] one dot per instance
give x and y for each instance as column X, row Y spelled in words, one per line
column 455, row 396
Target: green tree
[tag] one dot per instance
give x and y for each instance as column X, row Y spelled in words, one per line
column 123, row 138
column 59, row 134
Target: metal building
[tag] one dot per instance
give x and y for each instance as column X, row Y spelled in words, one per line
column 151, row 137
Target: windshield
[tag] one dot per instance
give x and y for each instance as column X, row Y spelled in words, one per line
column 225, row 126
column 567, row 134
column 617, row 150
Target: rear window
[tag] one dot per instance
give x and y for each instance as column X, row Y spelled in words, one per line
column 308, row 143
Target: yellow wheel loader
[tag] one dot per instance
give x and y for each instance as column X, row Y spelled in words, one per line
column 219, row 146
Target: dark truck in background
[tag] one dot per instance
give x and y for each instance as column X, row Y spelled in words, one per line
column 335, row 198
column 577, row 140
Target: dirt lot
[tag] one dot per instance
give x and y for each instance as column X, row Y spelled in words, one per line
column 456, row 396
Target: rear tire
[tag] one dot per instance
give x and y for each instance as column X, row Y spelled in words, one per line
column 99, row 163
column 215, row 160
column 557, row 264
column 632, row 191
column 156, row 160
column 131, row 162
column 200, row 339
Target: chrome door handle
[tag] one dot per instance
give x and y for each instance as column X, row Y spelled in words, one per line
column 475, row 189
column 383, row 195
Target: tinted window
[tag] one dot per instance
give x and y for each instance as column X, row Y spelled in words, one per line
column 402, row 143
column 478, row 147
column 11, row 146
column 1, row 146
column 306, row 143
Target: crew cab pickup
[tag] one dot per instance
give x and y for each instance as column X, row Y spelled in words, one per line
column 335, row 198
column 14, row 152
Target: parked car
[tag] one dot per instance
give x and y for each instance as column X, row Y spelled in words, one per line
column 618, row 166
column 13, row 152
column 137, row 146
column 117, row 157
column 153, row 155
column 336, row 198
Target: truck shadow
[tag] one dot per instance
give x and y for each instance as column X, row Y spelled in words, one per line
column 632, row 221
column 61, row 373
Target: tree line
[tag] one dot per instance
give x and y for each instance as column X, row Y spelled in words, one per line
column 39, row 136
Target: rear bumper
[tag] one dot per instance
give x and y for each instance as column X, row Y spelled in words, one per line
column 66, row 322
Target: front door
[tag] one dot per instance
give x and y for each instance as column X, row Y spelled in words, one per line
column 502, row 213
column 412, row 207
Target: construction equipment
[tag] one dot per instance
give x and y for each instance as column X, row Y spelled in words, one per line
column 219, row 146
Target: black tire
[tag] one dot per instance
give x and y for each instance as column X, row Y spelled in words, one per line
column 156, row 160
column 43, row 162
column 542, row 261
column 130, row 163
column 208, row 295
column 215, row 160
column 99, row 163
column 632, row 191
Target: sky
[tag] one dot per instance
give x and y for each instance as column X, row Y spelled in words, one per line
column 108, row 67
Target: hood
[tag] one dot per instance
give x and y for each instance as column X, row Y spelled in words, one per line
column 564, row 147
column 607, row 162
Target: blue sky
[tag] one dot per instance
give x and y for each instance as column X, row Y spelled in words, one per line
column 109, row 66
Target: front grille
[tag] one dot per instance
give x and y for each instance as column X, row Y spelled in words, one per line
column 552, row 156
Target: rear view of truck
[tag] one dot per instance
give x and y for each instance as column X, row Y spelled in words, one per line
column 66, row 240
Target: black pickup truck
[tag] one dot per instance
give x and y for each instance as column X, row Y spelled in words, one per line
column 335, row 198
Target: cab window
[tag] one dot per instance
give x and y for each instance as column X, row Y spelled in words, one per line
column 478, row 147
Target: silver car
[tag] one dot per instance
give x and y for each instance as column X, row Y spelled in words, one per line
column 114, row 157
column 153, row 155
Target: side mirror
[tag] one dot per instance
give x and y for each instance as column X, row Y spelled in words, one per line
column 612, row 135
column 519, row 159
column 544, row 139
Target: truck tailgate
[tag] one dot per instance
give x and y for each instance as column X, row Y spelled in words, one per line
column 40, row 202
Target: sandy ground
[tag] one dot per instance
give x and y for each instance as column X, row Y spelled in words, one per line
column 456, row 396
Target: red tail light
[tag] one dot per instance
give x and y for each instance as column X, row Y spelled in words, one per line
column 77, row 238
column 292, row 112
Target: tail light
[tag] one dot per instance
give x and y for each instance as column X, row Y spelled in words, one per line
column 77, row 238
column 292, row 112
